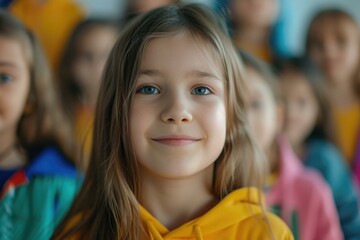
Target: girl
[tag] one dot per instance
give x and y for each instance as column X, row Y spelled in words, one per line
column 252, row 22
column 333, row 43
column 299, row 196
column 171, row 147
column 307, row 126
column 80, row 74
column 259, row 26
column 38, row 180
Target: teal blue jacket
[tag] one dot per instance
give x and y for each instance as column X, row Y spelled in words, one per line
column 35, row 199
column 327, row 160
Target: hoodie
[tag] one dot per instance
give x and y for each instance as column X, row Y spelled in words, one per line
column 238, row 216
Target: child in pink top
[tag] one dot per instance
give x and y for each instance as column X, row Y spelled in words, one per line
column 299, row 196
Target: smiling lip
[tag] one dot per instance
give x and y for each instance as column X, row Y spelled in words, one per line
column 176, row 140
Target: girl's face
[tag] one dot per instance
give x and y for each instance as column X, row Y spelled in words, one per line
column 178, row 114
column 262, row 109
column 254, row 13
column 335, row 48
column 14, row 83
column 92, row 49
column 302, row 108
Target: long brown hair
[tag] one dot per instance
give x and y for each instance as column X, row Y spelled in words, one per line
column 108, row 202
column 42, row 123
column 334, row 15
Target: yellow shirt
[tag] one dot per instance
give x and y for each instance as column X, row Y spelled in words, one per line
column 264, row 52
column 237, row 216
column 84, row 121
column 347, row 122
column 51, row 20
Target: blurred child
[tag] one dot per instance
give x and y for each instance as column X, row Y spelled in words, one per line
column 38, row 179
column 252, row 22
column 172, row 157
column 333, row 43
column 308, row 127
column 80, row 74
column 299, row 196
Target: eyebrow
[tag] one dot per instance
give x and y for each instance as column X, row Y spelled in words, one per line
column 150, row 72
column 7, row 64
column 193, row 73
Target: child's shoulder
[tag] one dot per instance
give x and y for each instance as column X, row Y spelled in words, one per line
column 318, row 147
column 325, row 157
column 245, row 217
column 264, row 226
column 50, row 161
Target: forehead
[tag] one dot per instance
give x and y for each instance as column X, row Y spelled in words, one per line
column 13, row 51
column 256, row 82
column 96, row 35
column 335, row 26
column 291, row 77
column 181, row 52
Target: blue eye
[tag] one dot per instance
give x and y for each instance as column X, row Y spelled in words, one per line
column 5, row 78
column 148, row 90
column 201, row 91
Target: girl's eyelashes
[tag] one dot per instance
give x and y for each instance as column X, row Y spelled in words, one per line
column 148, row 90
column 151, row 89
column 5, row 78
column 201, row 90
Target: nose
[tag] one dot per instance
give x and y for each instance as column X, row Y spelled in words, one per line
column 176, row 109
column 330, row 50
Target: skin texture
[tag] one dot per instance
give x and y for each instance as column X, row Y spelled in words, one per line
column 92, row 50
column 335, row 49
column 262, row 109
column 254, row 13
column 178, row 127
column 14, row 91
column 302, row 109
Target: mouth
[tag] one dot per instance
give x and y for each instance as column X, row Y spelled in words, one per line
column 176, row 140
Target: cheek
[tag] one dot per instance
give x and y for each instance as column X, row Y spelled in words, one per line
column 264, row 125
column 352, row 57
column 14, row 100
column 309, row 118
column 316, row 55
column 81, row 72
column 139, row 119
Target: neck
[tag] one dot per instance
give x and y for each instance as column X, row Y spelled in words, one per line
column 273, row 156
column 177, row 201
column 300, row 150
column 342, row 95
column 253, row 35
column 89, row 98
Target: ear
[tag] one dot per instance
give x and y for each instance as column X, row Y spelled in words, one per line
column 280, row 116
